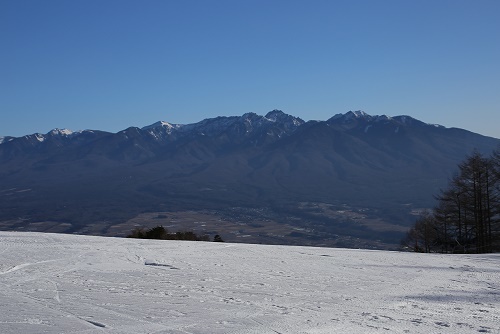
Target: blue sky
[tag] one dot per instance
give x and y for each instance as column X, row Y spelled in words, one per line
column 108, row 65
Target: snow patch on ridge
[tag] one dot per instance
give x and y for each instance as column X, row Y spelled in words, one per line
column 382, row 118
column 436, row 125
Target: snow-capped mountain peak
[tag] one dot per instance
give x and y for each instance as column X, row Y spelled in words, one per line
column 60, row 132
column 279, row 116
column 249, row 123
column 162, row 124
column 275, row 114
column 357, row 114
column 350, row 117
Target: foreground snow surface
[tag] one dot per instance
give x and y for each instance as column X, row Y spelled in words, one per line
column 54, row 283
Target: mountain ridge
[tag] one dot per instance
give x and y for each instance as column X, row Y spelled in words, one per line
column 299, row 175
column 276, row 115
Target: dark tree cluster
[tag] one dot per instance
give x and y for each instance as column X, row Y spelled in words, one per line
column 159, row 232
column 467, row 216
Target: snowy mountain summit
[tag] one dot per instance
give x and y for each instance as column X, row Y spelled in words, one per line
column 381, row 123
column 350, row 115
column 279, row 116
column 275, row 122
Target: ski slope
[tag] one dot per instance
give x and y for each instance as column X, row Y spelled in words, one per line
column 53, row 283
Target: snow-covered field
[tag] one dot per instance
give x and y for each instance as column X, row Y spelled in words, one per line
column 54, row 283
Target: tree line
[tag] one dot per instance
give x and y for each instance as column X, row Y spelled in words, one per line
column 161, row 233
column 466, row 218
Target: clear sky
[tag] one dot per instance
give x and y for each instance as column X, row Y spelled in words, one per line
column 108, row 65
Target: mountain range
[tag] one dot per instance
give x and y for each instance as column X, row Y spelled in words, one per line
column 353, row 180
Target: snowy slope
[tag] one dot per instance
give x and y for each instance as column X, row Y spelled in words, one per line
column 81, row 284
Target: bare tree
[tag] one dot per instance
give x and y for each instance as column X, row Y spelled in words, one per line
column 466, row 218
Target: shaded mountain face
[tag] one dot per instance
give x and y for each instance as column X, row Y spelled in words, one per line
column 352, row 180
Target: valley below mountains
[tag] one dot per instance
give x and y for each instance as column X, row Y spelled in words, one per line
column 354, row 180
